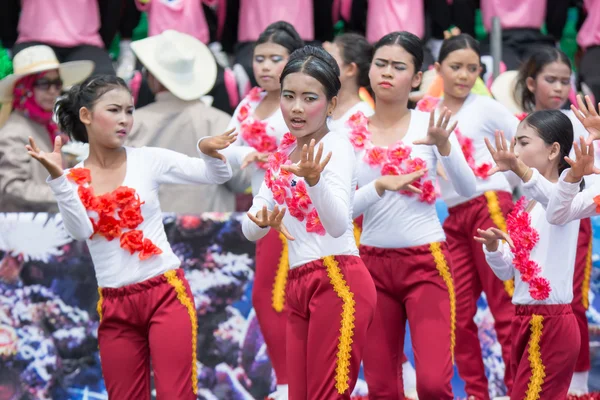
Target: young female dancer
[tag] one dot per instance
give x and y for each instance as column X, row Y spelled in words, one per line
column 543, row 84
column 478, row 117
column 111, row 201
column 261, row 126
column 542, row 364
column 402, row 241
column 330, row 297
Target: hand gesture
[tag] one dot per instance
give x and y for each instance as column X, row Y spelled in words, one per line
column 394, row 183
column 490, row 238
column 253, row 157
column 583, row 164
column 438, row 133
column 53, row 162
column 589, row 118
column 505, row 159
column 211, row 145
column 273, row 219
column 310, row 165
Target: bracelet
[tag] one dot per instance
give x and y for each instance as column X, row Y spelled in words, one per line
column 525, row 173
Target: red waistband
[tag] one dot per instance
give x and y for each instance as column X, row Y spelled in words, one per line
column 140, row 286
column 402, row 252
column 543, row 309
column 303, row 270
column 479, row 200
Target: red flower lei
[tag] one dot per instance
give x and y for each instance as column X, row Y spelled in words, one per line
column 293, row 193
column 254, row 131
column 428, row 104
column 525, row 237
column 123, row 202
column 394, row 160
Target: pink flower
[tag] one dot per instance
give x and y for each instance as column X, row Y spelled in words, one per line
column 295, row 210
column 416, row 164
column 357, row 120
column 301, row 195
column 243, row 113
column 253, row 131
column 359, row 138
column 375, row 156
column 276, row 160
column 390, row 169
column 313, row 223
column 287, row 141
column 279, row 193
column 398, row 153
column 428, row 103
column 428, row 196
column 539, row 288
column 254, row 94
column 483, row 170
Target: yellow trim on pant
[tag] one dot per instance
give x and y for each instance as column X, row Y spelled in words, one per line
column 99, row 305
column 343, row 291
column 535, row 359
column 185, row 300
column 357, row 232
column 278, row 295
column 585, row 285
column 498, row 219
column 442, row 267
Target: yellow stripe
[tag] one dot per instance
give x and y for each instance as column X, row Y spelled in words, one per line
column 535, row 359
column 357, row 232
column 99, row 305
column 498, row 219
column 342, row 290
column 183, row 297
column 585, row 285
column 442, row 267
column 278, row 297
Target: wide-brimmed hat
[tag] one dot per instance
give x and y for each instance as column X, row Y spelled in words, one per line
column 503, row 90
column 40, row 58
column 182, row 63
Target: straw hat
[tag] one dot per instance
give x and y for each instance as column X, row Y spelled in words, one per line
column 41, row 58
column 182, row 63
column 503, row 88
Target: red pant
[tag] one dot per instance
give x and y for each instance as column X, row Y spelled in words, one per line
column 268, row 298
column 330, row 304
column 544, row 351
column 415, row 284
column 151, row 320
column 472, row 274
column 581, row 287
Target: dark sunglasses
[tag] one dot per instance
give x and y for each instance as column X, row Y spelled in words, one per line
column 46, row 84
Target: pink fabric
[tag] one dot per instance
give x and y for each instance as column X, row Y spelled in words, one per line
column 185, row 16
column 24, row 101
column 514, row 13
column 61, row 23
column 589, row 34
column 342, row 9
column 256, row 15
column 385, row 16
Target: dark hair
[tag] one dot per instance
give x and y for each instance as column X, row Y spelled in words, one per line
column 83, row 95
column 283, row 34
column 409, row 42
column 356, row 49
column 553, row 126
column 531, row 68
column 315, row 62
column 459, row 42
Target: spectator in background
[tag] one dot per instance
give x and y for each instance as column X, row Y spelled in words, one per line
column 181, row 69
column 588, row 39
column 71, row 28
column 31, row 91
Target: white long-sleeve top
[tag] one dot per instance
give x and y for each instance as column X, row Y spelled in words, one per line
column 555, row 251
column 478, row 118
column 147, row 168
column 240, row 149
column 333, row 198
column 579, row 132
column 398, row 221
column 567, row 203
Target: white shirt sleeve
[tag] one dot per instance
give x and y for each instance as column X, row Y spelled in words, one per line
column 331, row 195
column 455, row 165
column 173, row 167
column 74, row 214
column 568, row 204
column 250, row 230
column 538, row 188
column 501, row 261
column 365, row 197
column 502, row 119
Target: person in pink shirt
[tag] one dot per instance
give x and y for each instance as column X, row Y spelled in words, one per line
column 521, row 23
column 70, row 27
column 588, row 39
